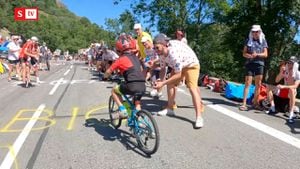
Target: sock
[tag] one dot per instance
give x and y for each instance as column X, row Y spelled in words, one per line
column 122, row 108
column 272, row 108
column 291, row 115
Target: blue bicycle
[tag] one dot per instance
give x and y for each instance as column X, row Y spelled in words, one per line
column 140, row 122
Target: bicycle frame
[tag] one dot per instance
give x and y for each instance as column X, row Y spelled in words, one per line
column 131, row 122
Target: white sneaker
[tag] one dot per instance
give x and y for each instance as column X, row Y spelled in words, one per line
column 159, row 94
column 288, row 114
column 199, row 122
column 153, row 93
column 166, row 112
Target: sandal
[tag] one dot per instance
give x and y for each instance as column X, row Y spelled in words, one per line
column 243, row 108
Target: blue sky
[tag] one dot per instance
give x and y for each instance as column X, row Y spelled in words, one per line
column 97, row 10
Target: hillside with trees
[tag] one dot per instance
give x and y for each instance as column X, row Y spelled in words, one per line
column 57, row 26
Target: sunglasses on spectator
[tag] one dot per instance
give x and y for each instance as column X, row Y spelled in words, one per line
column 156, row 48
column 255, row 31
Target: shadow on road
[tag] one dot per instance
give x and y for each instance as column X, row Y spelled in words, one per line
column 103, row 128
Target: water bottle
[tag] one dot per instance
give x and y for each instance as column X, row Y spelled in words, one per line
column 128, row 108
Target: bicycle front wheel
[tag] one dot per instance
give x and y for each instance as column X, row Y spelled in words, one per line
column 113, row 107
column 147, row 134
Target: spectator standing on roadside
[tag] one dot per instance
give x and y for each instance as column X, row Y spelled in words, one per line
column 13, row 56
column 140, row 33
column 180, row 35
column 255, row 51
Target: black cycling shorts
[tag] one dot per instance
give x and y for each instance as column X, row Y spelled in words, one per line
column 254, row 70
column 13, row 62
column 132, row 88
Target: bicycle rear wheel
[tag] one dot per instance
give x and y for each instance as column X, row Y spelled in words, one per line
column 147, row 134
column 113, row 107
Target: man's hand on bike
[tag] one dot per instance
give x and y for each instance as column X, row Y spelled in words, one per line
column 158, row 84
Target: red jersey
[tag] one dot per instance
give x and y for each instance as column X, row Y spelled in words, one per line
column 30, row 47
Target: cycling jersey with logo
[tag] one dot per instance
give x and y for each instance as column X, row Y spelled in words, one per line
column 129, row 67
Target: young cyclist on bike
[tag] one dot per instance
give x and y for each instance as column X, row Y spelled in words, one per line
column 129, row 66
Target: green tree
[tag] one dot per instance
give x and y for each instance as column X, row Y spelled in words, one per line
column 124, row 23
column 279, row 20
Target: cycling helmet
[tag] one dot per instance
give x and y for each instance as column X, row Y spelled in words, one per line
column 124, row 43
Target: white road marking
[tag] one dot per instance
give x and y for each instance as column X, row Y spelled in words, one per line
column 66, row 72
column 79, row 81
column 71, row 66
column 56, row 86
column 91, row 81
column 255, row 124
column 259, row 126
column 10, row 157
column 57, row 81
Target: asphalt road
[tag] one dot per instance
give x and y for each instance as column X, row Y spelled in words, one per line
column 44, row 127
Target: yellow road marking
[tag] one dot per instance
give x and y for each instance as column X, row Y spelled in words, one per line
column 74, row 114
column 87, row 114
column 19, row 118
column 12, row 153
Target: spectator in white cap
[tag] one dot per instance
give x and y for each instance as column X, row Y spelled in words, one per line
column 139, row 32
column 29, row 56
column 255, row 51
column 152, row 67
column 13, row 56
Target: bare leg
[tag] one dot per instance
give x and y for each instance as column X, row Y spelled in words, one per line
column 196, row 101
column 117, row 98
column 10, row 66
column 248, row 80
column 171, row 90
column 258, row 80
column 292, row 97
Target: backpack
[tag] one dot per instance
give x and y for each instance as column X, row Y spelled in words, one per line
column 236, row 91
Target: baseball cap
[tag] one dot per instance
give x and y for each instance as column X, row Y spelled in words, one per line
column 256, row 28
column 14, row 37
column 161, row 39
column 137, row 26
column 293, row 59
column 34, row 39
column 145, row 39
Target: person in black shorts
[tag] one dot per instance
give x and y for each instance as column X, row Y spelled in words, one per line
column 255, row 51
column 129, row 66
